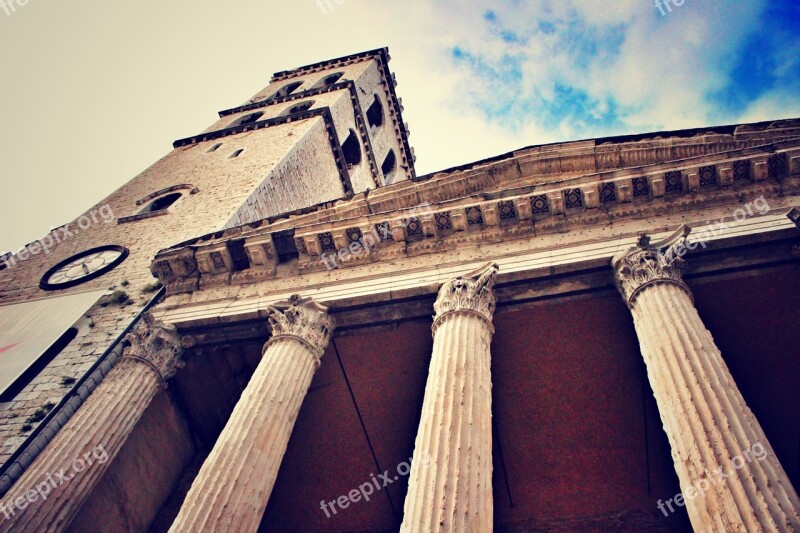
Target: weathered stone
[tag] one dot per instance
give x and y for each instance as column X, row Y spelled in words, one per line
column 729, row 474
column 103, row 423
column 233, row 487
column 450, row 488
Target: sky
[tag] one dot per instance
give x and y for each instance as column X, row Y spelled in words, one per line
column 92, row 92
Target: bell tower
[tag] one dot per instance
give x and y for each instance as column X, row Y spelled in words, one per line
column 324, row 131
column 314, row 135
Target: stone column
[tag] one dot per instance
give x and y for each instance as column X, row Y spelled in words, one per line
column 730, row 478
column 231, row 491
column 450, row 488
column 54, row 488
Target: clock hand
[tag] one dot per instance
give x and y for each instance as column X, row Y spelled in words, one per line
column 85, row 268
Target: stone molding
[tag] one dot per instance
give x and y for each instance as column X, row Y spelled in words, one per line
column 518, row 213
column 156, row 345
column 302, row 319
column 650, row 263
column 469, row 294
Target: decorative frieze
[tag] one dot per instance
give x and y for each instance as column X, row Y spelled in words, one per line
column 573, row 198
column 673, row 182
column 474, row 216
column 556, row 202
column 641, row 187
column 537, row 211
column 608, row 192
column 741, row 170
column 214, row 259
column 760, row 168
column 261, row 252
column 523, row 208
column 491, row 217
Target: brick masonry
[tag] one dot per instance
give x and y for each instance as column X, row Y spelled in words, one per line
column 281, row 168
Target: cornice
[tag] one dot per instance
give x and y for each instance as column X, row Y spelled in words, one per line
column 378, row 53
column 499, row 176
column 493, row 181
column 547, row 209
column 575, row 267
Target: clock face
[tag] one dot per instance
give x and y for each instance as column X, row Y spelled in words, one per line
column 86, row 265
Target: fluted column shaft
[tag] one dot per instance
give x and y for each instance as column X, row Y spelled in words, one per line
column 103, row 423
column 231, row 491
column 450, row 487
column 730, row 477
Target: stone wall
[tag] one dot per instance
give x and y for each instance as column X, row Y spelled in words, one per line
column 281, row 168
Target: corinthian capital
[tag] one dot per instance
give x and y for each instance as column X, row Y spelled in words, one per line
column 470, row 294
column 157, row 345
column 650, row 263
column 303, row 319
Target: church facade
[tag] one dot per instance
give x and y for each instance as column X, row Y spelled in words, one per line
column 279, row 326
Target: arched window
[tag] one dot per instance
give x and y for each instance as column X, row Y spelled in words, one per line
column 388, row 167
column 161, row 203
column 287, row 89
column 352, row 150
column 214, row 148
column 299, row 108
column 375, row 113
column 247, row 119
column 237, row 153
column 329, row 80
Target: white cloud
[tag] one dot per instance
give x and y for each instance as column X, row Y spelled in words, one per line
column 161, row 75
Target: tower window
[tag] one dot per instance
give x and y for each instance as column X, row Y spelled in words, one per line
column 287, row 89
column 214, row 148
column 237, row 153
column 352, row 150
column 375, row 113
column 247, row 119
column 330, row 79
column 388, row 167
column 161, row 203
column 299, row 108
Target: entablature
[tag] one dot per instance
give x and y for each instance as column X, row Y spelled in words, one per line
column 365, row 299
column 250, row 254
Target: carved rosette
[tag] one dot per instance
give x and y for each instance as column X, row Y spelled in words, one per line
column 471, row 294
column 647, row 264
column 157, row 345
column 302, row 319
